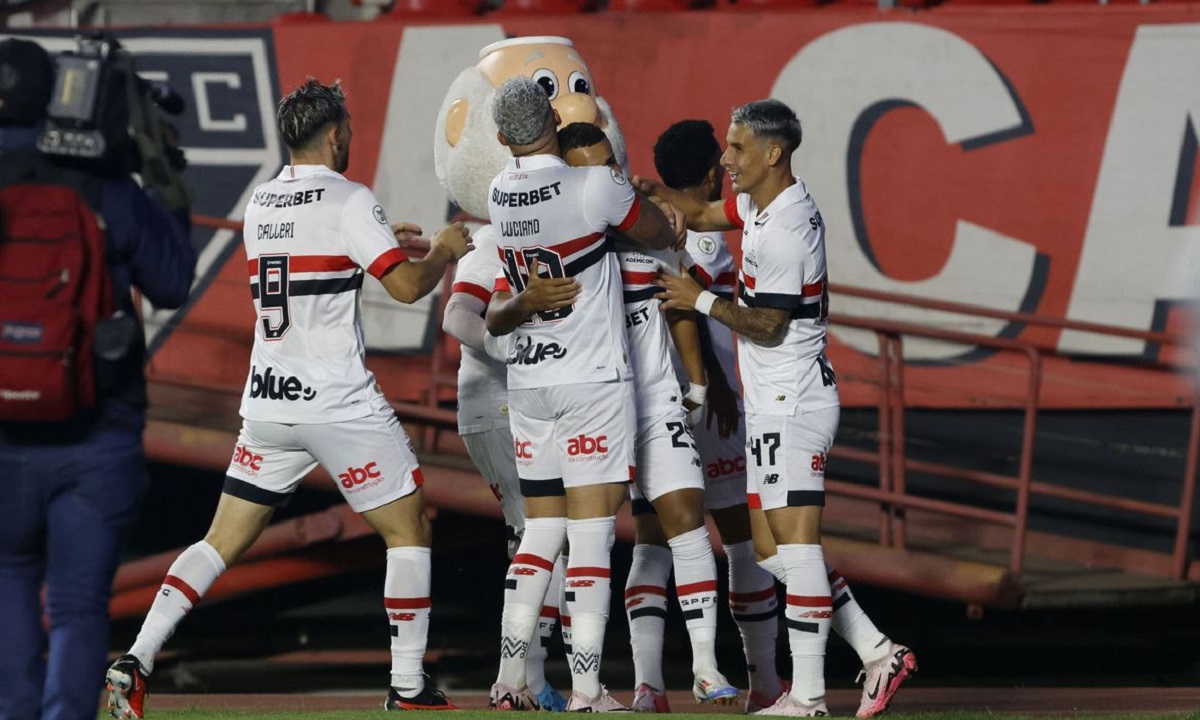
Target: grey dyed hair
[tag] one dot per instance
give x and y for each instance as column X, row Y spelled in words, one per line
column 521, row 110
column 304, row 111
column 770, row 118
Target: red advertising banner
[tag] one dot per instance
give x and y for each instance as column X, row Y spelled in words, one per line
column 1038, row 159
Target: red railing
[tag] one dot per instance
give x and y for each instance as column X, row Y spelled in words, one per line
column 894, row 465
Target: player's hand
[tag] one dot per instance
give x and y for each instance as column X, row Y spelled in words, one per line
column 647, row 185
column 454, row 239
column 405, row 233
column 677, row 219
column 722, row 405
column 679, row 291
column 547, row 293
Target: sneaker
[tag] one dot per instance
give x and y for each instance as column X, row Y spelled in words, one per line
column 712, row 687
column 756, row 700
column 649, row 699
column 427, row 699
column 503, row 697
column 882, row 679
column 549, row 699
column 790, row 706
column 603, row 703
column 126, row 688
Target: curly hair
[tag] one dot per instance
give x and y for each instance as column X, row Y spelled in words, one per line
column 685, row 152
column 304, row 111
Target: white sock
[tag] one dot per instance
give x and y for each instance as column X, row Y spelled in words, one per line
column 589, row 589
column 696, row 587
column 189, row 577
column 406, row 599
column 535, row 659
column 809, row 614
column 851, row 622
column 646, row 608
column 524, row 590
column 755, row 609
column 774, row 565
column 564, row 613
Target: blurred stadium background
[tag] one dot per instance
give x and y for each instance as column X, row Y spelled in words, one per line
column 1012, row 191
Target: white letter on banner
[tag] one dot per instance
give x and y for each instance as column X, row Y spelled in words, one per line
column 845, row 81
column 430, row 58
column 1138, row 256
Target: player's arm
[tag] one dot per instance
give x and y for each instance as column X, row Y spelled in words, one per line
column 701, row 216
column 507, row 312
column 761, row 324
column 722, row 398
column 410, row 280
column 685, row 333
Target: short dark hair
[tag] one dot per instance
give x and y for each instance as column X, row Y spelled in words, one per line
column 304, row 111
column 685, row 153
column 770, row 118
column 579, row 135
column 26, row 82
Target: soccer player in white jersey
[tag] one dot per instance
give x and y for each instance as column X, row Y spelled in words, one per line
column 668, row 492
column 687, row 158
column 483, row 426
column 569, row 378
column 788, row 386
column 311, row 235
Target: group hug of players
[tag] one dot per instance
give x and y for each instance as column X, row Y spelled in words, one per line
column 588, row 375
column 586, row 365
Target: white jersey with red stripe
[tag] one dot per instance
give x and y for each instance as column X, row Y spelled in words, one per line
column 310, row 234
column 783, row 267
column 558, row 215
column 480, row 378
column 656, row 386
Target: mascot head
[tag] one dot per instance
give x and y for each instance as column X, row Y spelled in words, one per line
column 467, row 156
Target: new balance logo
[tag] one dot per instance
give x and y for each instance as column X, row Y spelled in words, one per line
column 770, row 479
column 584, row 445
column 269, row 386
column 357, row 476
column 403, row 617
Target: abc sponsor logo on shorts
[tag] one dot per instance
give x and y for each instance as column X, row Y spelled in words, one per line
column 584, row 448
column 818, row 465
column 246, row 459
column 355, row 479
column 269, row 386
column 523, row 449
column 724, row 467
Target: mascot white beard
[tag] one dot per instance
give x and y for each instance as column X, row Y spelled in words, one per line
column 466, row 170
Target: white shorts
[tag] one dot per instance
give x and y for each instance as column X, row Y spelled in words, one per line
column 572, row 435
column 786, row 455
column 492, row 453
column 370, row 458
column 724, row 463
column 666, row 459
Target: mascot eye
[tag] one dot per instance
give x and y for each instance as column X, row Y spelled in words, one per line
column 548, row 80
column 578, row 83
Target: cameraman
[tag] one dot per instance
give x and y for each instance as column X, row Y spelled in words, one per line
column 72, row 489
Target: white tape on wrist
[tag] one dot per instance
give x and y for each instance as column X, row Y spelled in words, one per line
column 704, row 302
column 696, row 393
